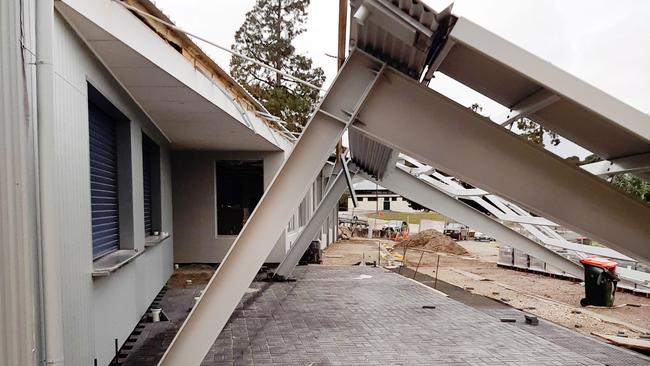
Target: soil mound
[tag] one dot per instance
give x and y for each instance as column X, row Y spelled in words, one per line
column 434, row 241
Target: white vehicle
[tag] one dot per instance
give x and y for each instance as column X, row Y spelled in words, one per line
column 482, row 237
column 392, row 225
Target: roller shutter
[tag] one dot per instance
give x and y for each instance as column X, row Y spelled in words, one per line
column 103, row 182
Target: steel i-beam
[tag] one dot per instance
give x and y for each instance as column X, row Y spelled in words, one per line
column 436, row 130
column 314, row 225
column 254, row 243
column 430, row 197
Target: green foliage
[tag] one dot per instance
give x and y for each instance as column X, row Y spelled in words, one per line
column 267, row 35
column 530, row 130
column 588, row 159
column 534, row 132
column 633, row 185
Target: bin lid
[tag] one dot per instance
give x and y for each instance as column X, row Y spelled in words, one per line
column 600, row 262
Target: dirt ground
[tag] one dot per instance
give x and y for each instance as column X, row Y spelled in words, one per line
column 353, row 251
column 432, row 240
column 553, row 299
column 199, row 274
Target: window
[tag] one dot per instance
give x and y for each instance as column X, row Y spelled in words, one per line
column 109, row 147
column 240, row 185
column 393, row 199
column 103, row 182
column 151, row 185
column 372, row 199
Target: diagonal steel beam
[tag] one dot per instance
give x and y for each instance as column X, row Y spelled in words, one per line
column 404, row 184
column 315, row 223
column 438, row 131
column 340, row 106
column 534, row 103
column 630, row 164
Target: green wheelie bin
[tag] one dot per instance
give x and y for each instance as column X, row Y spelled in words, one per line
column 600, row 282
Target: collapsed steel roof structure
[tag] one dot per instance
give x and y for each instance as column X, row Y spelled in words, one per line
column 381, row 97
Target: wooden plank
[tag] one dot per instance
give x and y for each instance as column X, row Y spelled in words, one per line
column 632, row 343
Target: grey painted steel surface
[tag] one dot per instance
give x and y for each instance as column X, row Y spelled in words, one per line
column 498, row 69
column 631, row 164
column 535, row 228
column 48, row 185
column 486, row 155
column 229, row 283
column 508, row 74
column 20, row 338
column 324, row 209
column 428, row 196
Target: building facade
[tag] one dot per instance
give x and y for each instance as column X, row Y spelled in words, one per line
column 130, row 151
column 372, row 197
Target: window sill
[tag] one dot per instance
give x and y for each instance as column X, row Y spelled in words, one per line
column 110, row 263
column 153, row 240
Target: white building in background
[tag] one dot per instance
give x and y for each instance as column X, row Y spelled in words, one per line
column 147, row 154
column 371, row 197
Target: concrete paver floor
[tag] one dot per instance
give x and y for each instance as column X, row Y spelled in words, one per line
column 370, row 316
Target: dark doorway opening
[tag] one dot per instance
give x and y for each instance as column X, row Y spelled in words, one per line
column 240, row 185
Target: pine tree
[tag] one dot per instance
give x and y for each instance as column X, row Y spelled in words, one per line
column 267, row 35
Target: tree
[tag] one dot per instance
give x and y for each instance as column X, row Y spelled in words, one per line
column 534, row 132
column 267, row 35
column 633, row 185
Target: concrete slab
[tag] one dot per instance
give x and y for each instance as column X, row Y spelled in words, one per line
column 369, row 316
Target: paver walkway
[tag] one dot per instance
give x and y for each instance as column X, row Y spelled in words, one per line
column 369, row 316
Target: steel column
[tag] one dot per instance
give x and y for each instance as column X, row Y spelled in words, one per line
column 434, row 129
column 324, row 209
column 258, row 236
column 430, row 197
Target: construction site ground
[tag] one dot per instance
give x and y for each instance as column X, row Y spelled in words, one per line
column 554, row 299
column 365, row 315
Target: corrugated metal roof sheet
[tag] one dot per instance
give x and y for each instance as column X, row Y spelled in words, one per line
column 376, row 38
column 369, row 155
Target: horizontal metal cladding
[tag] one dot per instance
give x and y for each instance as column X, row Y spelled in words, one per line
column 369, row 155
column 374, row 38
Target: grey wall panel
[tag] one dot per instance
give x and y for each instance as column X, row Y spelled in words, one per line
column 120, row 299
column 96, row 310
column 19, row 335
column 194, row 202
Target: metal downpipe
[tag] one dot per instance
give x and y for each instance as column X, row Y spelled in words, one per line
column 47, row 186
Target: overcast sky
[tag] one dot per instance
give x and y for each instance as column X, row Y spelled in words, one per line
column 604, row 42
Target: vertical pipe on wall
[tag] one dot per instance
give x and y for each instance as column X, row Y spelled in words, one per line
column 48, row 193
column 19, row 337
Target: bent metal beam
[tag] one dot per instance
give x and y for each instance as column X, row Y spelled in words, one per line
column 340, row 106
column 424, row 124
column 404, row 184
